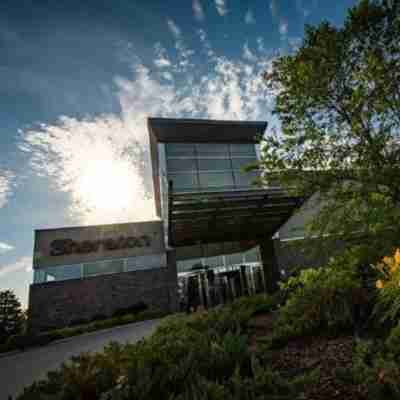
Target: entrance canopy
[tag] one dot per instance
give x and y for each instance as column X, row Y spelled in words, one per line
column 210, row 217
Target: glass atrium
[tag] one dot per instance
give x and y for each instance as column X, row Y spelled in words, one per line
column 209, row 166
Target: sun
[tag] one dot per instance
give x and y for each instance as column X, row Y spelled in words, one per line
column 107, row 189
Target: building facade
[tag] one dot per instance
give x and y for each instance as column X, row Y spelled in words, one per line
column 212, row 242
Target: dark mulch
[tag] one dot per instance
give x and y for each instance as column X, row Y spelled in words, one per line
column 333, row 357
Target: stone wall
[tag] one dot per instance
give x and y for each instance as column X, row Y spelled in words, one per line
column 297, row 254
column 56, row 304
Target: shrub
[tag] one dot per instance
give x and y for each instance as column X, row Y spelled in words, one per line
column 320, row 299
column 387, row 307
column 11, row 316
column 21, row 342
column 133, row 309
column 200, row 356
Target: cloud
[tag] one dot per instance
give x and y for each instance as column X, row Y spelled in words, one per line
column 4, row 248
column 174, row 28
column 205, row 43
column 6, row 186
column 247, row 54
column 22, row 264
column 283, row 27
column 92, row 158
column 249, row 17
column 221, row 7
column 161, row 59
column 198, row 10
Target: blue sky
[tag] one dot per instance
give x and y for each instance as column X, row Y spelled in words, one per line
column 79, row 78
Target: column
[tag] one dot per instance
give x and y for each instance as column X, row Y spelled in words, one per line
column 270, row 264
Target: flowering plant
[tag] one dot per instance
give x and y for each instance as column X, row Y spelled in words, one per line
column 388, row 286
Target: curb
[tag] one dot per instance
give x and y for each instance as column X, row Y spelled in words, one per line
column 70, row 338
column 9, row 353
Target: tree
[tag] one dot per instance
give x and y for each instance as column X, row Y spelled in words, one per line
column 11, row 315
column 338, row 104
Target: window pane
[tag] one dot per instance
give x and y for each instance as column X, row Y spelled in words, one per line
column 239, row 163
column 146, row 262
column 213, row 149
column 216, row 179
column 184, row 181
column 214, row 164
column 61, row 273
column 216, row 261
column 232, row 259
column 179, row 149
column 247, row 149
column 187, row 265
column 252, row 255
column 175, row 164
column 102, row 267
column 245, row 179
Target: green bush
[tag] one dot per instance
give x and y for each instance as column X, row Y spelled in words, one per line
column 376, row 367
column 200, row 356
column 133, row 309
column 320, row 299
column 21, row 342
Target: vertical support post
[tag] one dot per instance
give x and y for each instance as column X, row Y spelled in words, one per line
column 270, row 264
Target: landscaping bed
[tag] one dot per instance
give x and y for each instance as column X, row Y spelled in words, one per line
column 330, row 358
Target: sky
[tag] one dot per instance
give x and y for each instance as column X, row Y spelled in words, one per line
column 79, row 79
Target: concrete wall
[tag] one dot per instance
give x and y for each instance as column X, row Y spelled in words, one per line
column 56, row 304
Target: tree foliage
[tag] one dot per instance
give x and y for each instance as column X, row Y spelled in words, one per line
column 338, row 103
column 11, row 315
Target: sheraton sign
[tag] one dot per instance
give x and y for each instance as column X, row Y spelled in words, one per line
column 62, row 247
column 85, row 244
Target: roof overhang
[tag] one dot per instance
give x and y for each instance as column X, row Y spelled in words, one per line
column 228, row 216
column 205, row 131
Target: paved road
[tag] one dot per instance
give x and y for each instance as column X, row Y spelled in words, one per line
column 21, row 369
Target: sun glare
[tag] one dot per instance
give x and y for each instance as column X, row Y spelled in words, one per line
column 107, row 189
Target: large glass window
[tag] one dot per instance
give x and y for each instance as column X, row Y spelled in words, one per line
column 213, row 149
column 216, row 179
column 210, row 166
column 79, row 271
column 181, row 164
column 184, row 181
column 214, row 164
column 226, row 255
column 246, row 149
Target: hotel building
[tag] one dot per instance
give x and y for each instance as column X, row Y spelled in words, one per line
column 213, row 240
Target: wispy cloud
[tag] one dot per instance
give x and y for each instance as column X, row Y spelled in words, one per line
column 198, row 10
column 283, row 27
column 4, row 248
column 92, row 158
column 6, row 185
column 22, row 264
column 249, row 17
column 174, row 28
column 161, row 59
column 247, row 53
column 221, row 7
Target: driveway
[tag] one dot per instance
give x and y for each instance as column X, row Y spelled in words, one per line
column 23, row 368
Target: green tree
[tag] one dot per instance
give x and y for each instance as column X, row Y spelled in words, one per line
column 11, row 315
column 338, row 106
